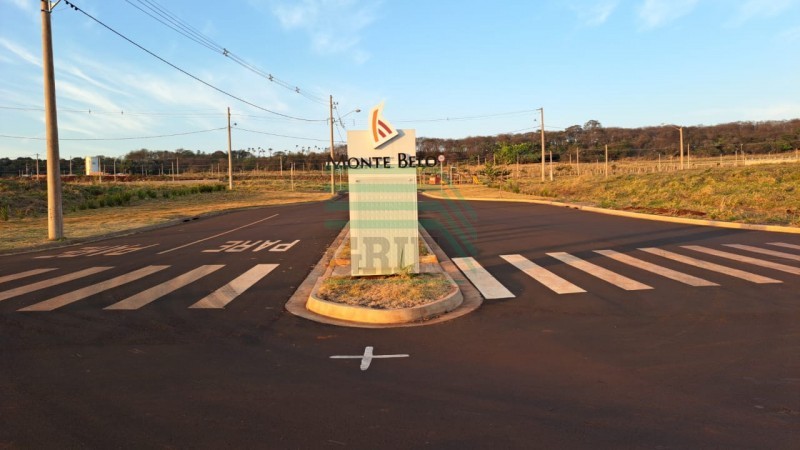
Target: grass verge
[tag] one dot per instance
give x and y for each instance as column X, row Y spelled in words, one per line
column 31, row 229
column 385, row 292
column 765, row 195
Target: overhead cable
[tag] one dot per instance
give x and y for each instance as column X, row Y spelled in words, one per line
column 170, row 20
column 116, row 139
column 71, row 5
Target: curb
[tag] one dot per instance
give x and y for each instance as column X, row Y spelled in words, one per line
column 442, row 310
column 635, row 215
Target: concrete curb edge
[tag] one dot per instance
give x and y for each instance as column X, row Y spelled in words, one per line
column 635, row 215
column 471, row 299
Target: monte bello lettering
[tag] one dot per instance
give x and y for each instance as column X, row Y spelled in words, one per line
column 383, row 162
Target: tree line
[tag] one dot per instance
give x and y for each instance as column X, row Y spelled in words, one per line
column 590, row 139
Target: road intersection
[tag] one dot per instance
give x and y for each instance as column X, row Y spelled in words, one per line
column 616, row 332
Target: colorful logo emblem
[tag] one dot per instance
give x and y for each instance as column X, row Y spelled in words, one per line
column 382, row 130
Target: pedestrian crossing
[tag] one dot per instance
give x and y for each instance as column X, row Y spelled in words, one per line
column 697, row 272
column 218, row 299
column 560, row 272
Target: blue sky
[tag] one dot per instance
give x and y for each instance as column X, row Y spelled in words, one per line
column 448, row 69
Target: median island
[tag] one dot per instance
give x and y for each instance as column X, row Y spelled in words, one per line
column 384, row 299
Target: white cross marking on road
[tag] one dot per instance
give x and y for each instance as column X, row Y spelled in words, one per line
column 367, row 357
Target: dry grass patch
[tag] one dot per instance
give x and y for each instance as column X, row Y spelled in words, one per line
column 386, row 292
column 82, row 224
column 768, row 195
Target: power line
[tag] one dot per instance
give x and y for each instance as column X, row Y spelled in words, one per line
column 116, row 139
column 446, row 119
column 170, row 20
column 122, row 112
column 71, row 5
column 282, row 135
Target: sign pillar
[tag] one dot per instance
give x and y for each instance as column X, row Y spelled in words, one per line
column 384, row 234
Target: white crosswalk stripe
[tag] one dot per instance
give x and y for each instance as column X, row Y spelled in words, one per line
column 51, row 282
column 147, row 296
column 659, row 270
column 745, row 259
column 764, row 251
column 542, row 275
column 488, row 285
column 711, row 266
column 226, row 294
column 785, row 245
column 29, row 273
column 606, row 275
column 483, row 280
column 80, row 294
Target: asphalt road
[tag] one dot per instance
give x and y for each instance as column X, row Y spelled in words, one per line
column 105, row 361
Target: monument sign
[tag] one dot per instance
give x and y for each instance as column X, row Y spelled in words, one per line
column 382, row 175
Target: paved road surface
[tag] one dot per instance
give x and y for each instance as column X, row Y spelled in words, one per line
column 178, row 338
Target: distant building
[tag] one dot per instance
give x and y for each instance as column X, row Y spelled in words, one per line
column 93, row 165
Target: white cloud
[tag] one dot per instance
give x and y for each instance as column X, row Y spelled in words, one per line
column 753, row 9
column 655, row 13
column 27, row 5
column 596, row 13
column 20, row 52
column 790, row 35
column 333, row 26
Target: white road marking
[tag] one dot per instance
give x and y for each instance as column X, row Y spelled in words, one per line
column 147, row 296
column 745, row 259
column 764, row 251
column 656, row 269
column 783, row 244
column 29, row 273
column 226, row 294
column 216, row 235
column 51, row 282
column 711, row 266
column 80, row 294
column 542, row 275
column 367, row 357
column 599, row 272
column 488, row 285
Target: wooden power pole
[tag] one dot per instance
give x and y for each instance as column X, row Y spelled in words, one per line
column 55, row 218
column 230, row 158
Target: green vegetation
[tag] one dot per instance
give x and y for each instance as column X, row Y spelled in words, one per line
column 92, row 210
column 763, row 194
column 28, row 198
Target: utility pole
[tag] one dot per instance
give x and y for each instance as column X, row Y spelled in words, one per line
column 55, row 218
column 606, row 160
column 230, row 158
column 543, row 149
column 688, row 158
column 37, row 167
column 680, row 129
column 333, row 179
